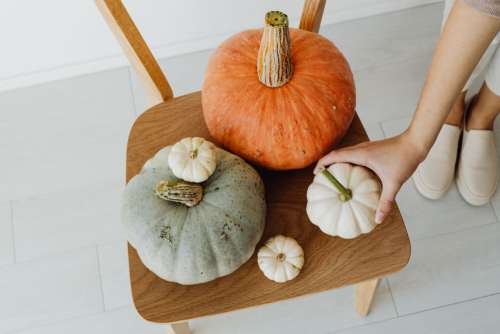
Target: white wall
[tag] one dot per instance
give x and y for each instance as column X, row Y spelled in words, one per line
column 53, row 39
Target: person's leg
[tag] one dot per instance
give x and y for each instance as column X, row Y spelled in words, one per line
column 483, row 110
column 477, row 174
column 456, row 115
column 486, row 107
column 435, row 174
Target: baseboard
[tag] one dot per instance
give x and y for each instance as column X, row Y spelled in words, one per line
column 71, row 70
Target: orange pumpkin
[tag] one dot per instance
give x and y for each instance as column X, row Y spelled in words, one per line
column 278, row 97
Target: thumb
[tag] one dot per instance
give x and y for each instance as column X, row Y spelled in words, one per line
column 354, row 155
column 386, row 201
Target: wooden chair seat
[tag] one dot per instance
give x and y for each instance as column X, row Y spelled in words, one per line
column 329, row 262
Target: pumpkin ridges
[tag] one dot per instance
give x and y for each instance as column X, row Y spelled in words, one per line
column 315, row 111
column 264, row 115
column 244, row 223
column 359, row 200
column 283, row 137
column 308, row 121
column 289, row 134
column 299, row 37
column 211, row 242
column 337, row 210
column 279, row 133
column 315, row 115
column 225, row 112
column 362, row 216
column 243, row 54
column 316, row 69
column 319, row 140
column 228, row 237
column 346, row 82
column 251, row 44
column 293, row 134
column 358, row 177
column 264, row 119
column 176, row 249
column 251, row 119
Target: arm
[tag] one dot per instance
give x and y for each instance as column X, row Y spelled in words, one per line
column 465, row 37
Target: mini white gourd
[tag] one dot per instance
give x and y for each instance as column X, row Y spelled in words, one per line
column 193, row 159
column 344, row 211
column 280, row 259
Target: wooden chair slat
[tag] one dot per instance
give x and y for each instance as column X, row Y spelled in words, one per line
column 312, row 13
column 135, row 48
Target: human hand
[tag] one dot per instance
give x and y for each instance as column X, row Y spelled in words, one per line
column 394, row 160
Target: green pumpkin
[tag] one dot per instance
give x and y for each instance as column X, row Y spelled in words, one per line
column 197, row 244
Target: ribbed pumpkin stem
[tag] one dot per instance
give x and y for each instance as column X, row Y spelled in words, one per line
column 345, row 194
column 186, row 193
column 274, row 61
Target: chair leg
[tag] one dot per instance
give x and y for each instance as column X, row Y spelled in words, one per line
column 364, row 293
column 178, row 328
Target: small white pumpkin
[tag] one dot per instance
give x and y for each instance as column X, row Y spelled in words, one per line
column 344, row 211
column 193, row 159
column 281, row 259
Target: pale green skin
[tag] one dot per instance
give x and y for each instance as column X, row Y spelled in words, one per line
column 199, row 244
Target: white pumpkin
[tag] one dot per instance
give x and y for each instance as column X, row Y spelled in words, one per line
column 342, row 200
column 281, row 259
column 193, row 159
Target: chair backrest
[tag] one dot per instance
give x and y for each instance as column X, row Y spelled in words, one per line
column 142, row 60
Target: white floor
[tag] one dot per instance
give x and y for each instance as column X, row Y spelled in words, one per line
column 63, row 266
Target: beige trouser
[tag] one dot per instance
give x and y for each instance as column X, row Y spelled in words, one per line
column 488, row 68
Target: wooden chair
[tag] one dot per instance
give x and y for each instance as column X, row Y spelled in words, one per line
column 330, row 262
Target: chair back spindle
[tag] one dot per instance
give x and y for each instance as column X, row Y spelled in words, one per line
column 312, row 13
column 137, row 51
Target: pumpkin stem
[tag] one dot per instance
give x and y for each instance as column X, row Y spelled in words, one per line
column 186, row 193
column 193, row 154
column 274, row 61
column 345, row 193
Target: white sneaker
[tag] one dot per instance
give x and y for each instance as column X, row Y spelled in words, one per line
column 477, row 174
column 435, row 174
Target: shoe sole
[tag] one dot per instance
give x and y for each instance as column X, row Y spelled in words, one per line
column 471, row 198
column 425, row 191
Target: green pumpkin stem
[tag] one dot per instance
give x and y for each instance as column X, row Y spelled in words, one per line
column 345, row 193
column 274, row 60
column 185, row 193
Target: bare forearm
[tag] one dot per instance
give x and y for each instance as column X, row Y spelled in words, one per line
column 464, row 39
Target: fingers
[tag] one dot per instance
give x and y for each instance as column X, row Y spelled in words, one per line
column 355, row 155
column 389, row 192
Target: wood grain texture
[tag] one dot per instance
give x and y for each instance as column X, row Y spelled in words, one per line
column 135, row 48
column 363, row 295
column 329, row 262
column 312, row 13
